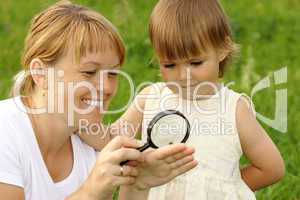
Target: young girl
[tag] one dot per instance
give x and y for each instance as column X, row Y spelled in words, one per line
column 193, row 42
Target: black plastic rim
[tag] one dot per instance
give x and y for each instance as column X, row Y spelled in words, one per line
column 161, row 115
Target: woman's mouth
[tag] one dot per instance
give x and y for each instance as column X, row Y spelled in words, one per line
column 92, row 102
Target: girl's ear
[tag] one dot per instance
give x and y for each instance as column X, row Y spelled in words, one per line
column 38, row 72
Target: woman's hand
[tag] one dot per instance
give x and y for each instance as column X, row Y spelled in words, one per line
column 164, row 164
column 107, row 174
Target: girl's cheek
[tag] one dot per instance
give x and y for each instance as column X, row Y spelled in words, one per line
column 206, row 73
column 164, row 74
column 115, row 86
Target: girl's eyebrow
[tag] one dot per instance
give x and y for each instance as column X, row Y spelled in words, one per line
column 199, row 58
column 196, row 59
column 167, row 62
column 92, row 63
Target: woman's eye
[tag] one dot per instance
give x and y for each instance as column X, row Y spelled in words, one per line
column 89, row 73
column 196, row 63
column 169, row 66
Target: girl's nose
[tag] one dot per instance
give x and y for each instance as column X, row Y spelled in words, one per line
column 184, row 73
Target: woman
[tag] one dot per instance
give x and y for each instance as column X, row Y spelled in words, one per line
column 41, row 156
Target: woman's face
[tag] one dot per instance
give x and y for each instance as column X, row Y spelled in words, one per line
column 95, row 74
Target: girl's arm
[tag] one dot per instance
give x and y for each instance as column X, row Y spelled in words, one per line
column 132, row 193
column 267, row 166
column 129, row 124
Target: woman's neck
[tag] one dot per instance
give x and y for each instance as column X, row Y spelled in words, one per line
column 51, row 130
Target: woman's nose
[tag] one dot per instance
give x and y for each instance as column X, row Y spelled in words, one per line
column 105, row 86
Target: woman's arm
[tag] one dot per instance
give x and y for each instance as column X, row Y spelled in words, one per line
column 107, row 174
column 129, row 124
column 267, row 166
column 11, row 192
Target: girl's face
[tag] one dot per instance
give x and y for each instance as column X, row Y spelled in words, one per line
column 189, row 73
column 95, row 70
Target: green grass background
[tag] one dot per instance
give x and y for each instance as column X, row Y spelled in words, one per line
column 268, row 32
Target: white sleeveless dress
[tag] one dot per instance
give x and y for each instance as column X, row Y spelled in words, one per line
column 215, row 139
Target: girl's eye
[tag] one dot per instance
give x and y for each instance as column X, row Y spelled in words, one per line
column 112, row 74
column 196, row 63
column 169, row 66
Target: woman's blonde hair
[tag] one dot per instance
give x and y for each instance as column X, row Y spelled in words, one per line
column 180, row 29
column 66, row 25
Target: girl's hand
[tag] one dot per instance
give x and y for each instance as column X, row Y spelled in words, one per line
column 107, row 174
column 162, row 165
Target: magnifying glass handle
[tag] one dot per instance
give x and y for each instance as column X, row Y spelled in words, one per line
column 144, row 147
column 141, row 149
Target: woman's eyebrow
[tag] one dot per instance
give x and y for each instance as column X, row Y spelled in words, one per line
column 97, row 64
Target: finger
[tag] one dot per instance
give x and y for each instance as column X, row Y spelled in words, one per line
column 169, row 150
column 188, row 151
column 130, row 171
column 181, row 162
column 124, row 171
column 183, row 169
column 119, row 180
column 133, row 163
column 124, row 154
column 121, row 141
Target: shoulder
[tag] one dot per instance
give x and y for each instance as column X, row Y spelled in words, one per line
column 12, row 143
column 245, row 106
column 241, row 102
column 11, row 107
column 153, row 88
column 149, row 92
column 8, row 113
column 247, row 126
column 242, row 110
column 8, row 107
column 12, row 123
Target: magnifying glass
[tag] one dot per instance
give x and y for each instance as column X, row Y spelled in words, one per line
column 166, row 128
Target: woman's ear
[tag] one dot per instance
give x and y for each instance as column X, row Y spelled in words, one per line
column 222, row 54
column 38, row 72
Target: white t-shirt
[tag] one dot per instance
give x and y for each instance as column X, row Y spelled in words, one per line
column 21, row 162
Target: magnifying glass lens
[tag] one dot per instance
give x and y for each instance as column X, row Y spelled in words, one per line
column 166, row 128
column 169, row 129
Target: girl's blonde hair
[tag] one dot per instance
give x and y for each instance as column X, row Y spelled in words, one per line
column 180, row 29
column 62, row 26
